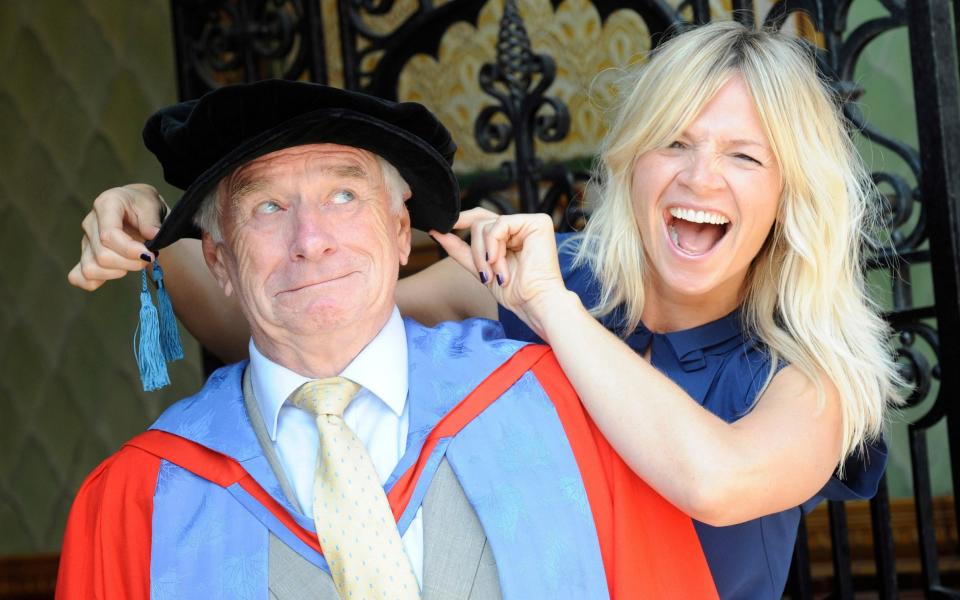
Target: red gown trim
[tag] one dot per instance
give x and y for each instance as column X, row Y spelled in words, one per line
column 649, row 548
column 106, row 547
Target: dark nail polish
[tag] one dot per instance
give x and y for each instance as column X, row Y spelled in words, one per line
column 499, row 279
column 483, row 277
column 146, row 257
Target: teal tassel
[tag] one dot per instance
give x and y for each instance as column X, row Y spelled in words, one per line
column 169, row 332
column 153, row 367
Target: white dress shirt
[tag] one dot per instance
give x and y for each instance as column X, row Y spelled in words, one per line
column 378, row 416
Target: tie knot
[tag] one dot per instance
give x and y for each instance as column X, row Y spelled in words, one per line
column 328, row 396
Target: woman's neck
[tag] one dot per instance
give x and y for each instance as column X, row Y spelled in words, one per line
column 665, row 312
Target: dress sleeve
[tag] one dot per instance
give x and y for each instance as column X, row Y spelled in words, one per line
column 106, row 547
column 861, row 476
column 578, row 280
column 514, row 328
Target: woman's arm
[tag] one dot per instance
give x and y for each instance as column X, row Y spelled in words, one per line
column 776, row 457
column 114, row 232
column 213, row 318
column 444, row 291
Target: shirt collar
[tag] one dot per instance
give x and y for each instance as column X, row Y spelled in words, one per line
column 380, row 368
column 690, row 345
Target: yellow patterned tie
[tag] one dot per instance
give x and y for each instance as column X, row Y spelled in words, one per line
column 356, row 528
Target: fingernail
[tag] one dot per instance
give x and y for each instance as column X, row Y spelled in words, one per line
column 146, row 257
column 499, row 279
column 483, row 277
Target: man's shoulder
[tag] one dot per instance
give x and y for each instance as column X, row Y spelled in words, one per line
column 215, row 416
column 449, row 361
column 119, row 473
column 133, row 462
column 107, row 538
column 133, row 470
column 474, row 347
column 477, row 335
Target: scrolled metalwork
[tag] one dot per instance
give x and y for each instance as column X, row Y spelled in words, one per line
column 904, row 214
column 902, row 207
column 374, row 7
column 917, row 371
column 233, row 41
column 373, row 59
column 518, row 80
column 907, row 214
column 492, row 137
column 274, row 36
column 699, row 9
column 218, row 47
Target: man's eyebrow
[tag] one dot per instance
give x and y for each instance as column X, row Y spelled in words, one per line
column 348, row 171
column 245, row 188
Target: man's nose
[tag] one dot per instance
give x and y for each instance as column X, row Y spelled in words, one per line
column 314, row 234
column 703, row 172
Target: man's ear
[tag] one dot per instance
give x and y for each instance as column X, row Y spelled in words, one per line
column 404, row 234
column 213, row 254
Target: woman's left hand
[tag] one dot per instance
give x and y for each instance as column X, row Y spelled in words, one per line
column 514, row 255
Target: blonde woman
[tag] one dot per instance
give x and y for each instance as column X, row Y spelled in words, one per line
column 712, row 315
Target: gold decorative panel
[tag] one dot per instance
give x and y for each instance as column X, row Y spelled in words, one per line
column 573, row 36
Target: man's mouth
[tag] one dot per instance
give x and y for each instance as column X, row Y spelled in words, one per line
column 695, row 232
column 315, row 284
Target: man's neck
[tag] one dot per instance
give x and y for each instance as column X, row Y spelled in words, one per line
column 322, row 354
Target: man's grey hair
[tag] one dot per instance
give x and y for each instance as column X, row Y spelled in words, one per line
column 208, row 216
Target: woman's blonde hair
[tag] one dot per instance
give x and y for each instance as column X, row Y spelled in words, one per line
column 805, row 296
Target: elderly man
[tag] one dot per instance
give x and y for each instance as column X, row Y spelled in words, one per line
column 356, row 454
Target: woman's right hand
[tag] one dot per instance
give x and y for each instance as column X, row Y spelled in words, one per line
column 114, row 232
column 516, row 257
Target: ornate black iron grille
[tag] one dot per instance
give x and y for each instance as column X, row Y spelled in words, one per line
column 222, row 41
column 235, row 41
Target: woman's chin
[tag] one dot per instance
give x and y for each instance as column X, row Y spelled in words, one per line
column 690, row 284
column 690, row 290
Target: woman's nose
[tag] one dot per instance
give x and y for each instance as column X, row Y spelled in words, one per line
column 703, row 172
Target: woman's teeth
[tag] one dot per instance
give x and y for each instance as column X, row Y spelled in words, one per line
column 697, row 216
column 696, row 232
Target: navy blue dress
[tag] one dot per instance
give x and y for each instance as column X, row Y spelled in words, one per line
column 723, row 368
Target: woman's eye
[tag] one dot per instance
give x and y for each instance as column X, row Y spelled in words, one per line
column 268, row 208
column 748, row 158
column 678, row 145
column 343, row 196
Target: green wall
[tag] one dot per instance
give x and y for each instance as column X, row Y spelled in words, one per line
column 79, row 79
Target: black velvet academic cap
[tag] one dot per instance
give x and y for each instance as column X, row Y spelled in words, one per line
column 199, row 142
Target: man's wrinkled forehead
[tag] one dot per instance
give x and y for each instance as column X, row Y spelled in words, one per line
column 335, row 160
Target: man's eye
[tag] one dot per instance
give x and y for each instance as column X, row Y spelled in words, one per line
column 343, row 196
column 268, row 208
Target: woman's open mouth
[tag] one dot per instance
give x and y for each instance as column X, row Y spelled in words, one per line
column 695, row 232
